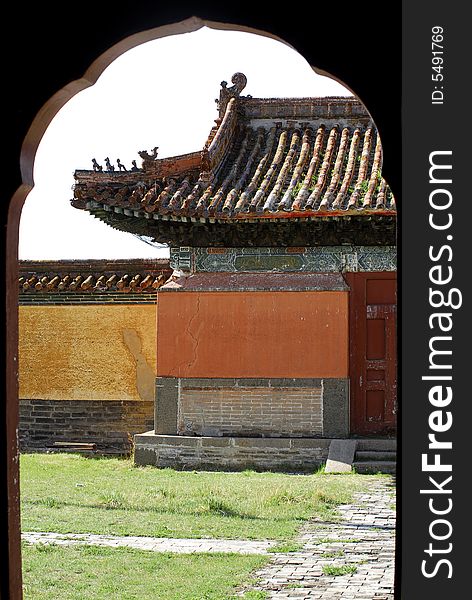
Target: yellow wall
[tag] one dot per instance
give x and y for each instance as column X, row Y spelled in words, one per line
column 89, row 352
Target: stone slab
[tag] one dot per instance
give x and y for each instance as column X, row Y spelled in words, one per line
column 166, row 405
column 341, row 456
column 336, row 408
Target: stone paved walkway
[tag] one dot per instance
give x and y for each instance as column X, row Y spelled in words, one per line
column 364, row 540
column 148, row 543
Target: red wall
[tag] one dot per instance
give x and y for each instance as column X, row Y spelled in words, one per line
column 252, row 334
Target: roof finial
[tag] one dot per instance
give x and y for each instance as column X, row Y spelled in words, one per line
column 239, row 81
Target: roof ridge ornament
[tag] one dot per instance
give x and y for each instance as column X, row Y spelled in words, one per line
column 96, row 166
column 144, row 154
column 239, row 81
column 149, row 159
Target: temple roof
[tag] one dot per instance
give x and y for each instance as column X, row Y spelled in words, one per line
column 265, row 161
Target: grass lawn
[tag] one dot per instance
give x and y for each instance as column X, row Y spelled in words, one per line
column 91, row 572
column 68, row 493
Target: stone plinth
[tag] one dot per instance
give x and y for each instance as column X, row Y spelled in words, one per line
column 230, row 453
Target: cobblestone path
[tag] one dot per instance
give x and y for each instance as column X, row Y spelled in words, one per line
column 363, row 541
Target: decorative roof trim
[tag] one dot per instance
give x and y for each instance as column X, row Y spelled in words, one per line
column 100, row 276
column 245, row 282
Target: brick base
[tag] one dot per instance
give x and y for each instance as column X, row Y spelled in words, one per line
column 231, row 453
column 108, row 424
column 249, row 410
column 244, row 407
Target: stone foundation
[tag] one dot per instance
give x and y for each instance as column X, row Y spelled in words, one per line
column 110, row 425
column 231, row 453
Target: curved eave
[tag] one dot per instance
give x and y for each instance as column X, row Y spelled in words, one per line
column 358, row 228
column 364, row 213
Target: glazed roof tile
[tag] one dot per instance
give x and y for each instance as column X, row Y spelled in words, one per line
column 52, row 277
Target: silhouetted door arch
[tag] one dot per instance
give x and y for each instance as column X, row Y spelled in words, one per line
column 373, row 353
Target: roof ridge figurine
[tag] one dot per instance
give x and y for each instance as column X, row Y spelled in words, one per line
column 108, row 164
column 96, row 166
column 146, row 156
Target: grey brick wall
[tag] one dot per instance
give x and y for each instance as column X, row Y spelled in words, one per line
column 250, row 410
column 252, row 407
column 108, row 424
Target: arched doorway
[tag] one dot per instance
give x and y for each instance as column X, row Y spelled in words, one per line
column 27, row 159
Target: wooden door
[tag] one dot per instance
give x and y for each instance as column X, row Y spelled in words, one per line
column 373, row 353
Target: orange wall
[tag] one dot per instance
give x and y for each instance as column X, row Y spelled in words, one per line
column 252, row 334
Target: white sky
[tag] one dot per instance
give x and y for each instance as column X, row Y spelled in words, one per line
column 161, row 93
